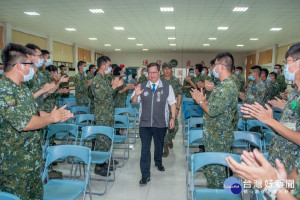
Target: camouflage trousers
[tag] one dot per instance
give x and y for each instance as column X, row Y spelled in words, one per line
column 27, row 186
column 171, row 133
column 216, row 142
column 287, row 155
column 103, row 142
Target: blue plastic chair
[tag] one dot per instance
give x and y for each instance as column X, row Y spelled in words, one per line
column 200, row 160
column 78, row 110
column 84, row 120
column 276, row 113
column 252, row 138
column 192, row 122
column 188, row 114
column 99, row 157
column 69, row 102
column 66, row 189
column 8, row 196
column 131, row 113
column 122, row 122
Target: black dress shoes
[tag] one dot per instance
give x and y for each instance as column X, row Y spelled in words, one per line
column 160, row 167
column 144, row 180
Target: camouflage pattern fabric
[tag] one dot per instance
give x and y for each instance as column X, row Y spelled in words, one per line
column 46, row 74
column 104, row 108
column 216, row 81
column 289, row 154
column 198, row 78
column 120, row 99
column 296, row 191
column 186, row 91
column 63, row 84
column 237, row 81
column 142, row 79
column 90, row 94
column 255, row 92
column 218, row 127
column 21, row 153
column 281, row 81
column 275, row 90
column 81, row 89
column 242, row 82
column 268, row 86
column 177, row 87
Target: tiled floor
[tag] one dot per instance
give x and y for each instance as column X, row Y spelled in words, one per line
column 163, row 185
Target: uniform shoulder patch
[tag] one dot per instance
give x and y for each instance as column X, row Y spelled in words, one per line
column 11, row 100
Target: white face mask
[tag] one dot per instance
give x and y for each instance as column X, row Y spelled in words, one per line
column 1, row 71
column 108, row 70
column 39, row 63
column 145, row 73
column 29, row 76
column 48, row 62
column 290, row 76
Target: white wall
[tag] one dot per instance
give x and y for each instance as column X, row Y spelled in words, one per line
column 136, row 59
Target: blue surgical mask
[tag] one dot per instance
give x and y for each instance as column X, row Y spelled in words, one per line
column 40, row 63
column 288, row 75
column 48, row 62
column 269, row 79
column 203, row 72
column 251, row 78
column 275, row 70
column 124, row 78
column 237, row 73
column 65, row 72
column 85, row 69
column 1, row 72
column 107, row 71
column 122, row 74
column 29, row 76
column 216, row 75
column 145, row 73
column 191, row 74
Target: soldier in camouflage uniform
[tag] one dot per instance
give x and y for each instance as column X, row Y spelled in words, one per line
column 199, row 76
column 21, row 153
column 81, row 86
column 256, row 89
column 143, row 78
column 90, row 77
column 177, row 87
column 239, row 74
column 63, row 72
column 103, row 93
column 268, row 85
column 210, row 81
column 280, row 78
column 275, row 90
column 188, row 83
column 220, row 116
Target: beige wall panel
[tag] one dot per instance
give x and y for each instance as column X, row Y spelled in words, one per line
column 24, row 38
column 1, row 38
column 281, row 53
column 62, row 52
column 265, row 57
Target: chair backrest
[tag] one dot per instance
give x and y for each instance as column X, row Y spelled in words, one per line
column 66, row 129
column 194, row 121
column 80, row 118
column 62, row 151
column 80, row 110
column 194, row 135
column 8, row 196
column 89, row 131
column 208, row 158
column 256, row 123
column 241, row 125
column 253, row 138
column 121, row 120
column 191, row 113
column 131, row 111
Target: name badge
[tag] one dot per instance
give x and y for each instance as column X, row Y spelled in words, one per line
column 290, row 125
column 158, row 97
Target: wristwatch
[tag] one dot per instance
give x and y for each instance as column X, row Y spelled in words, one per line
column 178, row 108
column 201, row 102
column 172, row 118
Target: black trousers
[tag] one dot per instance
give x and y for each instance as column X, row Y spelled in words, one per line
column 146, row 134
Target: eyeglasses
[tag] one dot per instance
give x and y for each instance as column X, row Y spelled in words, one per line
column 26, row 63
column 294, row 60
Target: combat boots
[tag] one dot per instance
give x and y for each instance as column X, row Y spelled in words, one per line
column 166, row 150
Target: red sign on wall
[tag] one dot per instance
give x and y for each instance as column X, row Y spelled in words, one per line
column 188, row 63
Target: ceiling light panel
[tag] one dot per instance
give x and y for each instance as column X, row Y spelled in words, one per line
column 92, row 38
column 139, row 44
column 70, row 29
column 239, row 45
column 275, row 29
column 118, row 49
column 170, row 27
column 107, row 45
column 212, row 38
column 131, row 38
column 253, row 39
column 32, row 13
column 172, row 44
column 222, row 28
column 206, row 45
column 96, row 10
column 166, row 9
column 240, row 9
column 119, row 28
column 145, row 49
column 171, row 38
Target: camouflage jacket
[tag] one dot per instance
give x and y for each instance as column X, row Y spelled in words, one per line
column 242, row 83
column 291, row 113
column 275, row 92
column 142, row 79
column 175, row 83
column 103, row 99
column 281, row 81
column 20, row 151
column 198, row 78
column 222, row 113
column 186, row 91
column 216, row 81
column 268, row 86
column 255, row 92
column 237, row 81
column 63, row 84
column 81, row 89
column 46, row 74
column 120, row 99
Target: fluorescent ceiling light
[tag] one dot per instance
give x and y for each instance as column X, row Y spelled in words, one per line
column 206, row 45
column 131, row 38
column 118, row 49
column 96, row 10
column 107, row 45
column 119, row 28
column 223, row 28
column 32, row 13
column 145, row 49
column 240, row 9
column 171, row 38
column 172, row 44
column 239, row 45
column 166, row 9
column 139, row 44
column 253, row 39
column 70, row 29
column 275, row 29
column 170, row 27
column 212, row 38
column 92, row 38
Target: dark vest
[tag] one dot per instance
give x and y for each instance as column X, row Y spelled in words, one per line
column 154, row 110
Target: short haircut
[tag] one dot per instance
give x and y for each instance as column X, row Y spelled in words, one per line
column 51, row 68
column 102, row 60
column 45, row 52
column 256, row 68
column 239, row 68
column 61, row 66
column 113, row 66
column 117, row 71
column 212, row 62
column 91, row 66
column 191, row 69
column 273, row 73
column 134, row 75
column 33, row 47
column 226, row 59
column 152, row 65
column 205, row 68
column 1, row 63
column 143, row 69
column 280, row 66
column 80, row 63
column 13, row 54
column 266, row 71
column 199, row 67
column 294, row 51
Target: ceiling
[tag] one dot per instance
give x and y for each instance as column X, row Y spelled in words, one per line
column 195, row 22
